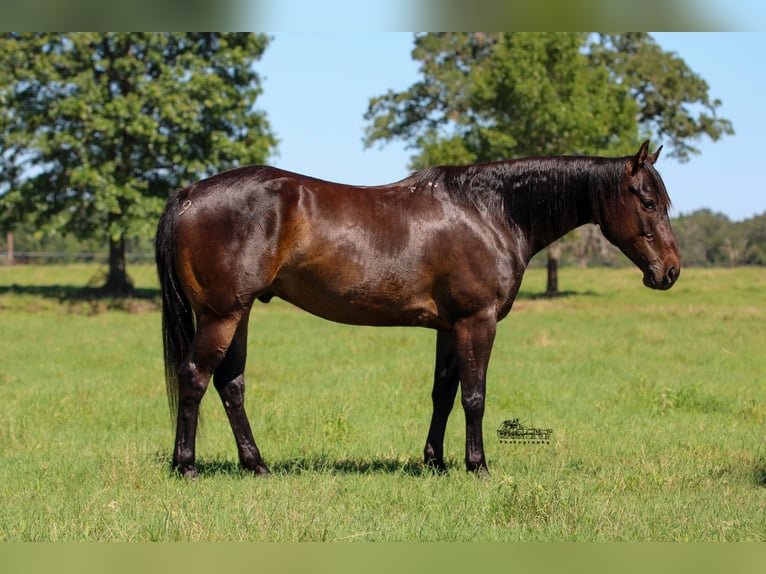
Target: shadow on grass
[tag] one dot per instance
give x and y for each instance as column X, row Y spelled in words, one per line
column 318, row 465
column 65, row 293
column 526, row 296
column 91, row 299
column 326, row 465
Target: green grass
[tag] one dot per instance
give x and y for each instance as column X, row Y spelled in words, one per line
column 657, row 402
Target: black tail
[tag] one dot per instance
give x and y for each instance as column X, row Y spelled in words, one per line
column 177, row 314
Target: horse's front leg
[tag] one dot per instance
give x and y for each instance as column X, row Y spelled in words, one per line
column 474, row 337
column 446, row 378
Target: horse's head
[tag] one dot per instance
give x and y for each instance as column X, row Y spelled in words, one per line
column 637, row 222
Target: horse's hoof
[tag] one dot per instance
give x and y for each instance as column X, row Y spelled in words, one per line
column 260, row 470
column 480, row 472
column 479, row 469
column 436, row 466
column 189, row 473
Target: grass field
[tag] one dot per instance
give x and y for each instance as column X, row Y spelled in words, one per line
column 657, row 402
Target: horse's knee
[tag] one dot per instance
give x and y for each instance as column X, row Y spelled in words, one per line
column 473, row 405
column 232, row 392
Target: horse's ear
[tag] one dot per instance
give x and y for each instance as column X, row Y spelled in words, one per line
column 653, row 158
column 639, row 158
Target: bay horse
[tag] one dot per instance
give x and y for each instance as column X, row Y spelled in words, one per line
column 444, row 248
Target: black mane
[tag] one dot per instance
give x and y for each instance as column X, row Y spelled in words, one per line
column 499, row 188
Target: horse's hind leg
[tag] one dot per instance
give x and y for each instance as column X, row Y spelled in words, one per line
column 229, row 381
column 446, row 379
column 210, row 345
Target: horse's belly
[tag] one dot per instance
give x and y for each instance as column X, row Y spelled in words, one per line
column 378, row 302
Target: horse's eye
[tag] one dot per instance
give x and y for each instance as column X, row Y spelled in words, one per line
column 648, row 204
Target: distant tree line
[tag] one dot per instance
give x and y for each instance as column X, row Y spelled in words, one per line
column 709, row 238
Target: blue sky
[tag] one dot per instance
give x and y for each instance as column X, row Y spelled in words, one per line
column 317, row 87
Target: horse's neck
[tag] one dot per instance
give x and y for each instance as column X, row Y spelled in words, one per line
column 549, row 200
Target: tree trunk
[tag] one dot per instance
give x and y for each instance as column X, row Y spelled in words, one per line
column 554, row 252
column 9, row 258
column 118, row 283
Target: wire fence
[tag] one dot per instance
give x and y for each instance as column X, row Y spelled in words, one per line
column 52, row 257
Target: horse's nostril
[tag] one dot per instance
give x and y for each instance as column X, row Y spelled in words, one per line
column 671, row 275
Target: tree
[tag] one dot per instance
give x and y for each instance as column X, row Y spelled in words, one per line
column 486, row 97
column 99, row 128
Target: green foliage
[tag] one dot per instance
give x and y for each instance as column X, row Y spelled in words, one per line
column 657, row 403
column 673, row 100
column 492, row 96
column 96, row 129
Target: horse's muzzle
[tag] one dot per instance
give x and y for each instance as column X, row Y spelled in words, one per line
column 661, row 282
